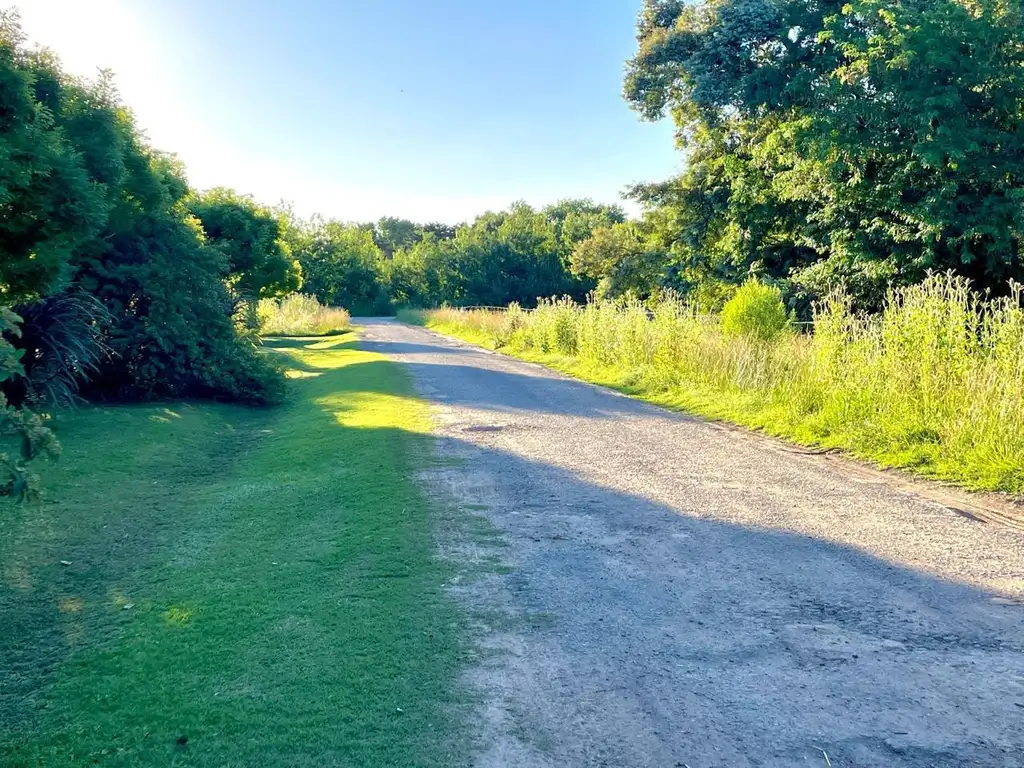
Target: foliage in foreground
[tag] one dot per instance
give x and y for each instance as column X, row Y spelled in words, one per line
column 934, row 383
column 23, row 436
column 300, row 315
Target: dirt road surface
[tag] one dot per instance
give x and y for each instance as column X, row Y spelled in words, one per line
column 654, row 590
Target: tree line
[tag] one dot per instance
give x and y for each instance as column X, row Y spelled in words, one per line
column 854, row 145
column 515, row 255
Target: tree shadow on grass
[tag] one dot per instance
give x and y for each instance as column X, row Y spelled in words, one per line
column 325, row 341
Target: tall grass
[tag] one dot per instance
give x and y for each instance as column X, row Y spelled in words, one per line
column 300, row 315
column 934, row 383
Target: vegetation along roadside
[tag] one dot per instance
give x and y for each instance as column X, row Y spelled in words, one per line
column 934, row 383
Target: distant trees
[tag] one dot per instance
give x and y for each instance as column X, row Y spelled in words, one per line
column 858, row 142
column 520, row 254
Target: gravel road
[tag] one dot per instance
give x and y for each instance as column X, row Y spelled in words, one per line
column 654, row 590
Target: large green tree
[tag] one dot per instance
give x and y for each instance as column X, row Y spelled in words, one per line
column 49, row 204
column 867, row 141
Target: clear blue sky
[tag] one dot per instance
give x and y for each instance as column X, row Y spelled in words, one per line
column 361, row 108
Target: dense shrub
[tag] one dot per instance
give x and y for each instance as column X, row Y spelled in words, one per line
column 756, row 310
column 87, row 201
column 172, row 333
column 23, row 435
column 300, row 315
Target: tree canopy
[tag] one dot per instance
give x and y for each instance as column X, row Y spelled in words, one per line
column 259, row 263
column 865, row 141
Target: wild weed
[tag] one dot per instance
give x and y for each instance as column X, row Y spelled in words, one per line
column 935, row 382
column 300, row 315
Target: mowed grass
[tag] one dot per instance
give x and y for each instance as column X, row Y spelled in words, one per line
column 216, row 586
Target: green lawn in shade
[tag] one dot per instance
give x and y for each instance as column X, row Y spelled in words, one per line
column 210, row 585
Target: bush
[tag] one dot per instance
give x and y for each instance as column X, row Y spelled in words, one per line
column 756, row 310
column 23, row 435
column 62, row 345
column 172, row 332
column 300, row 315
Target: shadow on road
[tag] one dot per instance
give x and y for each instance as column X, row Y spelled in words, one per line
column 615, row 630
column 643, row 634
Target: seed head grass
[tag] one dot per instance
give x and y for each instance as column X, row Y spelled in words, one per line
column 934, row 383
column 300, row 315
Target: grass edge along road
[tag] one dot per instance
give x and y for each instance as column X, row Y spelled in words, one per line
column 220, row 586
column 933, row 386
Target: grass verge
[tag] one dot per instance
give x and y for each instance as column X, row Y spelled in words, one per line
column 220, row 586
column 932, row 385
column 300, row 315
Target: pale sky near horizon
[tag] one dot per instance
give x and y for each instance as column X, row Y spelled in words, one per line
column 355, row 109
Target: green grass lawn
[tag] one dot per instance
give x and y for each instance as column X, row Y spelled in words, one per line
column 212, row 585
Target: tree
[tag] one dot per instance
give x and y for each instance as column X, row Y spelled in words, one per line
column 438, row 230
column 343, row 266
column 48, row 204
column 393, row 234
column 866, row 141
column 617, row 257
column 511, row 256
column 171, row 331
column 249, row 235
column 575, row 220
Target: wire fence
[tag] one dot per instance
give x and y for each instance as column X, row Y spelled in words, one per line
column 804, row 325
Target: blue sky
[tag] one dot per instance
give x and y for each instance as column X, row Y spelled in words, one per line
column 362, row 108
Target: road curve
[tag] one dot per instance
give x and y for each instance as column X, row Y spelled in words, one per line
column 675, row 593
